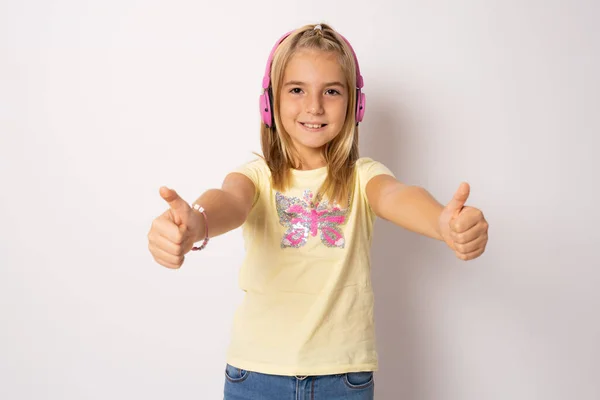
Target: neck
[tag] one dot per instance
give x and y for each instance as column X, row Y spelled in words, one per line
column 312, row 162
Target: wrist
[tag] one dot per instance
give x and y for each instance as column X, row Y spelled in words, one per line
column 439, row 232
column 201, row 229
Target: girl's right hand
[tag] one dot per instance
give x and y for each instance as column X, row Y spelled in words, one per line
column 173, row 234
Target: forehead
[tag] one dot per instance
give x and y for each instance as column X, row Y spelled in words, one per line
column 309, row 65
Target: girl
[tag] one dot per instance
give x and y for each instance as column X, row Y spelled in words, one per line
column 305, row 328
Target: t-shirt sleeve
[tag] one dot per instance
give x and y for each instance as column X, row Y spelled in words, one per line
column 256, row 172
column 368, row 169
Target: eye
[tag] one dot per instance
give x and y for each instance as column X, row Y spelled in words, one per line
column 296, row 91
column 332, row 92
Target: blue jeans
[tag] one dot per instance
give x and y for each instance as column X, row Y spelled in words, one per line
column 246, row 385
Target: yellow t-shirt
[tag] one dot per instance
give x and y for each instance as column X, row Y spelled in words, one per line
column 308, row 304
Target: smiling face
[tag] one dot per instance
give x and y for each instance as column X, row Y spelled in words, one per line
column 313, row 101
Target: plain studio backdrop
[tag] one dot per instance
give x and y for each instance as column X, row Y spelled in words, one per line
column 102, row 102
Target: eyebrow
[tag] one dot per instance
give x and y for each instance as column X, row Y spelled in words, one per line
column 298, row 83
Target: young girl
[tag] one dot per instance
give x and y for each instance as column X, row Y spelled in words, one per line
column 305, row 328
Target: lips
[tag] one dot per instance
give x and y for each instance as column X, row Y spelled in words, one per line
column 313, row 125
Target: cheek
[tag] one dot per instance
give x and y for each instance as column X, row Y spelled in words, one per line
column 288, row 116
column 338, row 105
column 288, row 109
column 340, row 113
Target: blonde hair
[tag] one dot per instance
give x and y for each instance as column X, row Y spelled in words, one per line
column 341, row 152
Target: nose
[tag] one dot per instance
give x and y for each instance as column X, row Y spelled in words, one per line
column 314, row 104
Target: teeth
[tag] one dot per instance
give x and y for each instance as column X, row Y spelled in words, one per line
column 313, row 126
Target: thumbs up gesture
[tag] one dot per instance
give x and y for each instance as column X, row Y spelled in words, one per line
column 464, row 229
column 173, row 234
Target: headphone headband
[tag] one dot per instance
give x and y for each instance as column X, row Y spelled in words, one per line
column 267, row 76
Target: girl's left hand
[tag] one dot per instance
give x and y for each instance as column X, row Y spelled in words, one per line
column 464, row 229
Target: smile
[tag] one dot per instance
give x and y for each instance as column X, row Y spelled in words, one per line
column 313, row 127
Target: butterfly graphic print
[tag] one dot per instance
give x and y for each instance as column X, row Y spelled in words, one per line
column 304, row 217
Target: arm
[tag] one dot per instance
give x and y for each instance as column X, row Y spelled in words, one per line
column 464, row 229
column 410, row 207
column 173, row 233
column 226, row 208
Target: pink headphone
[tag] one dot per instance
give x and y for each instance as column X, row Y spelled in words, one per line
column 265, row 100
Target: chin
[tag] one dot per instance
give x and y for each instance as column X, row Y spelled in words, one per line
column 315, row 143
column 313, row 139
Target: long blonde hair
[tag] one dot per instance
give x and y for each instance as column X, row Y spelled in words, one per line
column 340, row 153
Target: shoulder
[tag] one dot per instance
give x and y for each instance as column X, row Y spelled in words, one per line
column 367, row 168
column 257, row 164
column 256, row 170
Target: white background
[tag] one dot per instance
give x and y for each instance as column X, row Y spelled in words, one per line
column 102, row 102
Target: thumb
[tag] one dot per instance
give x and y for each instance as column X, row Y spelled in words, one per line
column 179, row 207
column 459, row 199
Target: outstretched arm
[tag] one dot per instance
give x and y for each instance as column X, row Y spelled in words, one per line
column 227, row 207
column 173, row 233
column 463, row 229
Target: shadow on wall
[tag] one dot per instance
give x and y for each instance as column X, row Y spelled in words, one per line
column 401, row 259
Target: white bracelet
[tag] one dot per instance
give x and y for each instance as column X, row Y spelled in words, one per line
column 200, row 209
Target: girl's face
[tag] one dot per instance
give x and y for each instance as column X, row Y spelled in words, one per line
column 313, row 100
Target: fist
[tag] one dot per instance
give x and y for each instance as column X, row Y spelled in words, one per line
column 172, row 234
column 464, row 229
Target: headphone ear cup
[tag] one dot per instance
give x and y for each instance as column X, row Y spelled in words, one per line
column 265, row 109
column 361, row 101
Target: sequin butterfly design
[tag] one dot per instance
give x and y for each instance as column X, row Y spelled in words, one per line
column 303, row 217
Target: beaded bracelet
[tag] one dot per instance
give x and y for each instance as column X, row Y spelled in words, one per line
column 200, row 209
